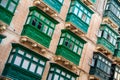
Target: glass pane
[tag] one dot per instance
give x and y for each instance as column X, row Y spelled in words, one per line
column 61, row 78
column 115, row 75
column 45, row 29
column 52, row 69
column 14, row 50
column 21, row 52
column 50, row 76
column 47, row 21
column 75, row 48
column 80, row 14
column 34, row 21
column 15, row 1
column 25, row 64
column 32, row 67
column 88, row 20
column 68, row 36
column 79, row 51
column 36, row 14
column 105, row 34
column 68, row 76
column 28, row 20
column 11, row 6
column 35, row 59
column 60, row 1
column 57, row 70
column 39, row 70
column 63, row 73
column 73, row 78
column 71, row 10
column 56, row 77
column 39, row 26
column 50, row 31
column 75, row 10
column 4, row 3
column 42, row 62
column 17, row 60
column 52, row 25
column 83, row 17
column 10, row 58
column 61, row 41
column 66, row 43
column 28, row 55
column 42, row 17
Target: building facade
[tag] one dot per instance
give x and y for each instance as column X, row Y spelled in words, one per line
column 59, row 40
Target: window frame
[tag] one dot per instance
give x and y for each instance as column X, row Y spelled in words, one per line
column 8, row 4
column 14, row 53
column 70, row 41
column 41, row 19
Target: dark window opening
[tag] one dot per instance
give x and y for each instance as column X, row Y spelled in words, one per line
column 34, row 22
column 66, row 43
column 39, row 25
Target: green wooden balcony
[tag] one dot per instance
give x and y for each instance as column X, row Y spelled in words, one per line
column 7, row 9
column 112, row 12
column 100, row 66
column 24, row 64
column 79, row 16
column 70, row 46
column 107, row 38
column 39, row 27
column 51, row 4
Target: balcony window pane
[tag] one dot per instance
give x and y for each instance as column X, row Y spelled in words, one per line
column 88, row 20
column 10, row 58
column 11, row 7
column 61, row 41
column 39, row 70
column 50, row 76
column 4, row 3
column 68, row 76
column 60, row 1
column 36, row 14
column 75, row 48
column 15, row 1
column 80, row 14
column 45, row 29
column 28, row 21
column 28, row 55
column 42, row 62
column 39, row 25
column 115, row 75
column 105, row 34
column 66, row 43
column 25, row 64
column 63, row 73
column 18, row 60
column 58, row 70
column 21, row 52
column 61, row 78
column 34, row 21
column 79, row 51
column 56, row 77
column 52, row 25
column 71, row 45
column 35, row 59
column 32, row 67
column 73, row 78
column 75, row 10
column 83, row 17
column 50, row 31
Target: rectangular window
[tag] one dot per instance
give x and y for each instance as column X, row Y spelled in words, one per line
column 25, row 64
column 59, row 74
column 39, row 70
column 18, row 60
column 10, row 5
column 32, row 67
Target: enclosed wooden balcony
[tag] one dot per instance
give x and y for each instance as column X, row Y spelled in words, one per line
column 107, row 38
column 111, row 13
column 78, row 17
